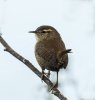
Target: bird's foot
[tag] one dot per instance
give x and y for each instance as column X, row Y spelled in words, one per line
column 54, row 87
column 48, row 74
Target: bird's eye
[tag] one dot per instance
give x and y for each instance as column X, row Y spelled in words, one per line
column 43, row 31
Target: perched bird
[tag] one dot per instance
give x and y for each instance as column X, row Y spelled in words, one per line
column 50, row 50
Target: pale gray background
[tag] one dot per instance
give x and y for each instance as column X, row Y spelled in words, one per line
column 75, row 20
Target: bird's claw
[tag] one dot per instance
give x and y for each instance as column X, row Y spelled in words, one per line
column 47, row 74
column 54, row 87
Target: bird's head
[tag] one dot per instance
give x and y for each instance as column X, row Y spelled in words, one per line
column 46, row 32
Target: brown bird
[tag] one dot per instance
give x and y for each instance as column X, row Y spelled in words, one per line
column 50, row 50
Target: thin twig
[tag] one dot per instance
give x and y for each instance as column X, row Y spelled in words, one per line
column 29, row 65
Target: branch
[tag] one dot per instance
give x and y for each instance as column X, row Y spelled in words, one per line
column 55, row 91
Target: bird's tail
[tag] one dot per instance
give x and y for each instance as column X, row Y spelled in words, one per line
column 67, row 51
column 61, row 54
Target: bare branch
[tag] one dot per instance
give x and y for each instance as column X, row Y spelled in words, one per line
column 29, row 65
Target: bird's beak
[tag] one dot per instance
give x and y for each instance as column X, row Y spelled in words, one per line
column 32, row 32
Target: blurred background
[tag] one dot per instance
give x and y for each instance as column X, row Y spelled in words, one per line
column 75, row 21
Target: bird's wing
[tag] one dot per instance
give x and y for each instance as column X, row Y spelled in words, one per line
column 46, row 53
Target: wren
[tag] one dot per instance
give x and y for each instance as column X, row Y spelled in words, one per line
column 50, row 50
